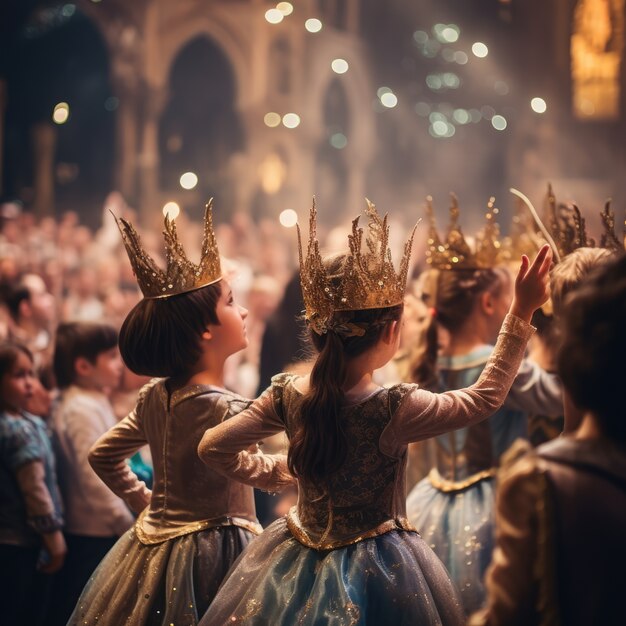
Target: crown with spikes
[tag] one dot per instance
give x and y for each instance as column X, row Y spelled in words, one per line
column 454, row 252
column 181, row 275
column 368, row 279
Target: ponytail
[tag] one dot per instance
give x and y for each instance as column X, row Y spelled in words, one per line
column 423, row 368
column 318, row 445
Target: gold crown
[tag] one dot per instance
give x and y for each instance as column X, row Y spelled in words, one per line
column 454, row 252
column 368, row 280
column 181, row 275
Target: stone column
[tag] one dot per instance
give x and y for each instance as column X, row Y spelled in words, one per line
column 153, row 101
column 44, row 142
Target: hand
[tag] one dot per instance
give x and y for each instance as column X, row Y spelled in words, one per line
column 54, row 545
column 532, row 284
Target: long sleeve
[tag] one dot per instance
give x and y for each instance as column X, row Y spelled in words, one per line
column 423, row 414
column 40, row 508
column 536, row 391
column 82, row 431
column 513, row 578
column 108, row 457
column 224, row 447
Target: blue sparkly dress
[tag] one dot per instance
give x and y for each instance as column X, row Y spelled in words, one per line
column 346, row 553
column 453, row 507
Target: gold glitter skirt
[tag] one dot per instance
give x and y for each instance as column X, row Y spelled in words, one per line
column 167, row 583
column 393, row 578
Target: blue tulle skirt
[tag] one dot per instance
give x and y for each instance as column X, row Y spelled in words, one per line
column 459, row 527
column 391, row 579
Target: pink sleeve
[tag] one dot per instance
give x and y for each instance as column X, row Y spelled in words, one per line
column 423, row 414
column 224, row 448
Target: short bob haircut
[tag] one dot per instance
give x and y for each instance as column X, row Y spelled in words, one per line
column 161, row 337
column 76, row 339
column 591, row 359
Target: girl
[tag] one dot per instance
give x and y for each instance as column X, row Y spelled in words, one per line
column 453, row 506
column 346, row 552
column 167, row 568
column 30, row 505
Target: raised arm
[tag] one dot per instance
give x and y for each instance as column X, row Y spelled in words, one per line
column 423, row 414
column 224, row 447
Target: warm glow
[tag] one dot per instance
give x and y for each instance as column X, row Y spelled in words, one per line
column 188, row 180
column 389, row 99
column 288, row 218
column 61, row 113
column 339, row 66
column 538, row 105
column 271, row 119
column 171, row 210
column 313, row 25
column 272, row 172
column 286, row 8
column 274, row 16
column 291, row 120
column 480, row 50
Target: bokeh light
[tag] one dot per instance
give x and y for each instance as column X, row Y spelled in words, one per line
column 339, row 66
column 498, row 122
column 274, row 16
column 291, row 120
column 61, row 113
column 313, row 25
column 480, row 50
column 286, row 8
column 389, row 100
column 538, row 105
column 288, row 218
column 338, row 141
column 271, row 119
column 171, row 210
column 188, row 180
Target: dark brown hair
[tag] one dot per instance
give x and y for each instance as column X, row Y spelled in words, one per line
column 161, row 337
column 456, row 294
column 318, row 446
column 9, row 351
column 76, row 339
column 591, row 358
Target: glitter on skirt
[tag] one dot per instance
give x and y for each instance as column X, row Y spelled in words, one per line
column 172, row 582
column 390, row 579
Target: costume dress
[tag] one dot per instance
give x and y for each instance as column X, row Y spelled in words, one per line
column 168, row 566
column 453, row 507
column 346, row 554
column 560, row 549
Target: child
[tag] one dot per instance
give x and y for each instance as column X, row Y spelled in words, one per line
column 560, row 550
column 30, row 506
column 453, row 506
column 346, row 552
column 87, row 367
column 167, row 568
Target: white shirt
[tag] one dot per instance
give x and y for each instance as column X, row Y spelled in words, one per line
column 79, row 418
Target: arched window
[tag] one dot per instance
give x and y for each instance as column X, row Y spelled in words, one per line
column 596, row 49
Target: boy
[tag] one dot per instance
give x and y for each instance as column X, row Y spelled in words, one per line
column 87, row 366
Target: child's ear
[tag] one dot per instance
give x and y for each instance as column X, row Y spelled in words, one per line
column 207, row 335
column 487, row 303
column 82, row 366
column 390, row 332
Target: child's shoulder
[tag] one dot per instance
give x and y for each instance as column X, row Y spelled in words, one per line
column 19, row 441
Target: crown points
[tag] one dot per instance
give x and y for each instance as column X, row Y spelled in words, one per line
column 181, row 275
column 367, row 280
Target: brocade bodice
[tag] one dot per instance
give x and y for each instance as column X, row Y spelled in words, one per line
column 365, row 497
